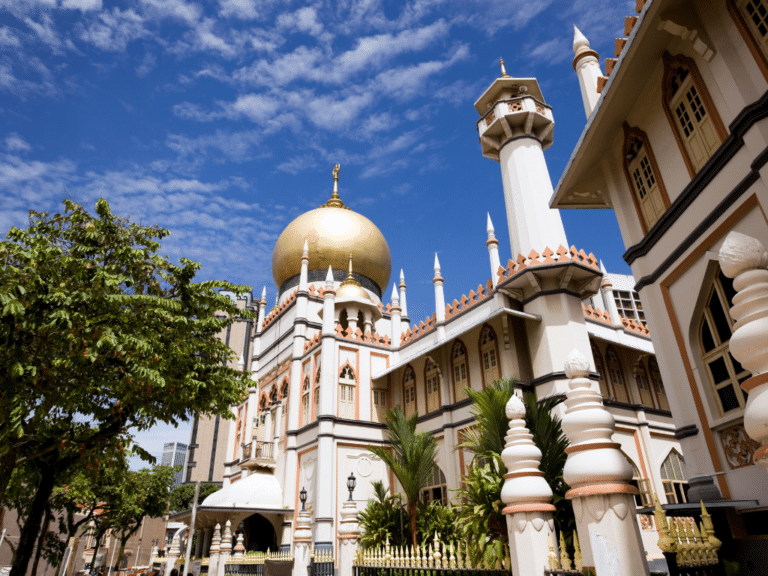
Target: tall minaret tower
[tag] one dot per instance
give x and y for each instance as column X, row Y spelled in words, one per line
column 515, row 128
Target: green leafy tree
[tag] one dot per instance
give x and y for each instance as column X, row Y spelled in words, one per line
column 410, row 456
column 100, row 334
column 380, row 521
column 183, row 495
column 481, row 512
column 436, row 519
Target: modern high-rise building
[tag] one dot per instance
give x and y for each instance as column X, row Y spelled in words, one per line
column 175, row 454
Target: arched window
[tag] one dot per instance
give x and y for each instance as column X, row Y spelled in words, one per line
column 751, row 18
column 600, row 367
column 432, row 379
column 643, row 385
column 317, row 402
column 643, row 497
column 690, row 111
column 409, row 390
column 305, row 402
column 616, row 375
column 347, row 393
column 674, row 478
column 284, row 397
column 436, row 488
column 489, row 355
column 658, row 385
column 379, row 404
column 343, row 319
column 642, row 173
column 460, row 370
column 724, row 372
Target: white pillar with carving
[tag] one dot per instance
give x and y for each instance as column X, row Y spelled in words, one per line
column 302, row 543
column 493, row 251
column 349, row 534
column 744, row 259
column 215, row 551
column 527, row 496
column 439, row 301
column 587, row 66
column 226, row 548
column 599, row 476
column 173, row 554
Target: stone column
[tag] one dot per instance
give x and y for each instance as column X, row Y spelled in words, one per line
column 173, row 554
column 285, row 537
column 527, row 496
column 302, row 544
column 199, row 544
column 214, row 551
column 226, row 549
column 744, row 259
column 207, row 542
column 239, row 550
column 349, row 534
column 599, row 476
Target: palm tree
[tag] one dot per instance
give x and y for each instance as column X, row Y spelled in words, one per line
column 410, row 456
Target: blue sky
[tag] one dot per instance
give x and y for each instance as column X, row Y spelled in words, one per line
column 221, row 120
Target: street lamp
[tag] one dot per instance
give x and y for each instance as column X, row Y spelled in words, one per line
column 351, row 485
column 303, row 498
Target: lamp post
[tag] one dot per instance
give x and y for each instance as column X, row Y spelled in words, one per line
column 351, row 482
column 303, row 498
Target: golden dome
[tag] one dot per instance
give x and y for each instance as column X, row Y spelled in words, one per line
column 333, row 232
column 350, row 289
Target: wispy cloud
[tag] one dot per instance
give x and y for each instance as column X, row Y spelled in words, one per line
column 114, row 30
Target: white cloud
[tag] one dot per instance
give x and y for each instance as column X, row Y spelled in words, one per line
column 146, row 65
column 242, row 9
column 45, row 31
column 114, row 30
column 19, row 87
column 15, row 143
column 406, row 82
column 380, row 122
column 336, row 114
column 82, row 5
column 302, row 20
column 235, row 146
column 8, row 37
column 552, row 51
column 177, row 9
column 256, row 107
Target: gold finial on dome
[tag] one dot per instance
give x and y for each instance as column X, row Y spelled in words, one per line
column 335, row 201
column 350, row 279
column 503, row 70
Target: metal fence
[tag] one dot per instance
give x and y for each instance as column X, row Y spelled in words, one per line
column 321, row 563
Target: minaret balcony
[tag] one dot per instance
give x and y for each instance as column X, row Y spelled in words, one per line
column 258, row 454
column 515, row 117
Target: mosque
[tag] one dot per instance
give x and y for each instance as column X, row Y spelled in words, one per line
column 339, row 349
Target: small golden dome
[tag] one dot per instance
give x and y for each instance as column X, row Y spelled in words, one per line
column 333, row 232
column 350, row 289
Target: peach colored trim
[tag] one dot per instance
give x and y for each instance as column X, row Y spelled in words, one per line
column 670, row 64
column 528, row 508
column 348, row 536
column 302, row 539
column 491, row 241
column 749, row 39
column 235, row 479
column 298, row 478
column 356, row 371
column 595, row 490
column 754, row 382
column 595, row 446
column 386, row 395
column 581, row 55
column 760, row 454
column 703, row 246
column 538, row 473
column 639, row 447
column 631, row 132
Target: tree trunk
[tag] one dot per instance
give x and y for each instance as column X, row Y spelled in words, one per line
column 41, row 538
column 412, row 512
column 32, row 525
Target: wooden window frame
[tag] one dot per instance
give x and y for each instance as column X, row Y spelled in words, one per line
column 427, row 374
column 306, row 389
column 600, row 366
column 346, row 382
column 632, row 133
column 760, row 57
column 481, row 348
column 672, row 63
column 442, row 483
column 661, row 383
column 641, row 370
column 454, row 364
column 674, row 481
column 621, row 372
column 410, row 369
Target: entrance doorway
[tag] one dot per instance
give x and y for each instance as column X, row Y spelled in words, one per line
column 259, row 535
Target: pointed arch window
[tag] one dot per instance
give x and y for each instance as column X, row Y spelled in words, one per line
column 616, row 375
column 642, row 173
column 643, row 497
column 432, row 378
column 674, row 478
column 284, row 397
column 460, row 370
column 379, row 404
column 409, row 390
column 305, row 402
column 600, row 367
column 716, row 325
column 347, row 385
column 697, row 126
column 751, row 19
column 657, row 384
column 643, row 385
column 489, row 355
column 436, row 489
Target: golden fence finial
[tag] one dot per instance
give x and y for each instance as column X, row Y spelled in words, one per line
column 565, row 561
column 551, row 556
column 666, row 542
column 577, row 560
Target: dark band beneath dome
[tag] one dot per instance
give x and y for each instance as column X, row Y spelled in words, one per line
column 318, row 276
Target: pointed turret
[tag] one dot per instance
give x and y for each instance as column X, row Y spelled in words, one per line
column 439, row 301
column 493, row 251
column 403, row 304
column 395, row 310
column 262, row 310
column 587, row 66
column 303, row 281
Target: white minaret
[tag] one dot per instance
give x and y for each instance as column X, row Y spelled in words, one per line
column 439, row 301
column 515, row 128
column 587, row 66
column 395, row 311
column 403, row 304
column 493, row 251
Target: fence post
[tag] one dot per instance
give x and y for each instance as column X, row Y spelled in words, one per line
column 225, row 547
column 214, row 551
column 302, row 544
column 173, row 554
column 527, row 496
column 349, row 533
column 744, row 259
column 599, row 476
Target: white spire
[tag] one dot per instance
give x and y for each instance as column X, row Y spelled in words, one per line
column 395, row 297
column 402, row 277
column 602, row 268
column 305, row 254
column 264, row 293
column 489, row 227
column 580, row 42
column 437, row 265
column 329, row 278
